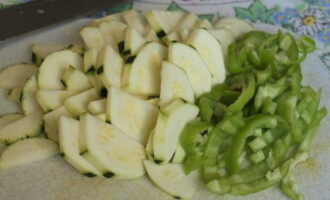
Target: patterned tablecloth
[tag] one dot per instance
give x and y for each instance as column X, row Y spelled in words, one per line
column 304, row 17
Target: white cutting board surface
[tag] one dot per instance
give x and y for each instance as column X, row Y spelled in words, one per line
column 54, row 179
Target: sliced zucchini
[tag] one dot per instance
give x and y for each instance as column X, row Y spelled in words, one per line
column 114, row 29
column 135, row 20
column 150, row 35
column 133, row 42
column 54, row 66
column 113, row 17
column 184, row 34
column 27, row 151
column 110, row 66
column 74, row 80
column 41, row 51
column 102, row 117
column 93, row 37
column 69, row 145
column 188, row 59
column 29, row 101
column 51, row 122
column 153, row 101
column 210, row 51
column 27, row 126
column 9, row 118
column 142, row 77
column 133, row 116
column 203, row 23
column 188, row 22
column 170, row 123
column 163, row 22
column 51, row 99
column 174, row 37
column 171, row 179
column 15, row 76
column 111, row 151
column 77, row 48
column 149, row 146
column 225, row 37
column 14, row 95
column 236, row 26
column 174, row 85
column 77, row 104
column 90, row 63
column 97, row 107
column 179, row 154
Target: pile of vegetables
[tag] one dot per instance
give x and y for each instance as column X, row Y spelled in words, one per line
column 255, row 127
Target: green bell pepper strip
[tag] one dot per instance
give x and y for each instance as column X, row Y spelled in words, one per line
column 229, row 97
column 193, row 140
column 288, row 187
column 269, row 106
column 307, row 43
column 239, row 140
column 246, row 95
column 216, row 92
column 311, row 129
column 235, row 60
column 264, row 75
column 279, row 149
column 296, row 78
column 254, row 58
column 218, row 186
column 206, row 108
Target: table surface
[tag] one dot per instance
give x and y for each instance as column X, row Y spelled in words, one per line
column 54, row 179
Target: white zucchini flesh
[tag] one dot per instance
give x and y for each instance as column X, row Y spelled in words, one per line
column 29, row 101
column 15, row 76
column 133, row 42
column 97, row 107
column 14, row 94
column 54, row 66
column 153, row 101
column 150, row 35
column 203, row 23
column 171, row 179
column 102, row 117
column 225, row 37
column 210, row 51
column 188, row 59
column 69, row 135
column 51, row 99
column 93, row 37
column 77, row 104
column 237, row 27
column 115, row 29
column 9, row 118
column 187, row 22
column 75, row 80
column 179, row 154
column 90, row 63
column 110, row 66
column 149, row 146
column 135, row 117
column 135, row 20
column 113, row 17
column 111, row 151
column 51, row 122
column 142, row 77
column 27, row 151
column 41, row 51
column 184, row 34
column 174, row 85
column 27, row 126
column 174, row 37
column 163, row 22
column 170, row 123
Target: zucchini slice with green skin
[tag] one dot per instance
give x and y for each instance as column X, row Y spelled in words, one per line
column 93, row 37
column 14, row 95
column 69, row 135
column 90, row 63
column 54, row 66
column 134, row 116
column 170, row 178
column 41, row 51
column 135, row 20
column 225, row 37
column 15, row 76
column 236, row 26
column 27, row 126
column 75, row 80
column 29, row 101
column 97, row 107
column 77, row 104
column 142, row 76
column 170, row 123
column 111, row 151
column 9, row 118
column 51, row 122
column 210, row 51
column 203, row 23
column 134, row 41
column 174, row 85
column 188, row 59
column 49, row 100
column 110, row 66
column 113, row 31
column 27, row 151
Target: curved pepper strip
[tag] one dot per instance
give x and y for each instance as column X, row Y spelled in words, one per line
column 246, row 95
column 239, row 140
